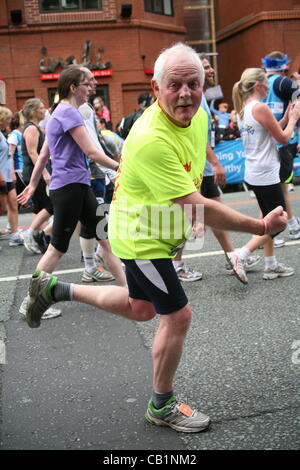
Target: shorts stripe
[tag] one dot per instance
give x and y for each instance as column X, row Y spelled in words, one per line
column 151, row 273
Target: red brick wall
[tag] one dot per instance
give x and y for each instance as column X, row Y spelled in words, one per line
column 249, row 31
column 125, row 42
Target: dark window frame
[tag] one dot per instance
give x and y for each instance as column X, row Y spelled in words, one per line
column 149, row 7
column 60, row 9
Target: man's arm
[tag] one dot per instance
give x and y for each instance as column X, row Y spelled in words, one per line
column 219, row 172
column 222, row 217
column 286, row 89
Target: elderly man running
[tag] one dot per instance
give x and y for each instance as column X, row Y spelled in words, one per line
column 161, row 171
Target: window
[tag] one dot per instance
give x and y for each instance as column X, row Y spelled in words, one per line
column 164, row 7
column 69, row 5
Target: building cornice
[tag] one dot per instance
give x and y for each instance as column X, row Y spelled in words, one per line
column 253, row 19
column 133, row 24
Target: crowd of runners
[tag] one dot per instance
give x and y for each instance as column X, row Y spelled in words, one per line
column 167, row 165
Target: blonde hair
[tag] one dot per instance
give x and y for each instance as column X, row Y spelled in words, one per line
column 244, row 88
column 5, row 113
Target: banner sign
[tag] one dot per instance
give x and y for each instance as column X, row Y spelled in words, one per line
column 232, row 157
column 96, row 73
column 297, row 166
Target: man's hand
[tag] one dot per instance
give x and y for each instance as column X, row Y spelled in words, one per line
column 219, row 174
column 276, row 221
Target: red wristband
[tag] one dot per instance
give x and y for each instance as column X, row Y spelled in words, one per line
column 266, row 227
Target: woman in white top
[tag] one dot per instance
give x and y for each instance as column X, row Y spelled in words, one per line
column 260, row 131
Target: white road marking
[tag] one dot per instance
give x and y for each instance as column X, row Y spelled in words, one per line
column 2, row 352
column 78, row 270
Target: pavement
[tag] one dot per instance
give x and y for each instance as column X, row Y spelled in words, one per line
column 82, row 381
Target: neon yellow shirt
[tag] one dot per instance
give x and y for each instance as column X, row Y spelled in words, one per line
column 160, row 162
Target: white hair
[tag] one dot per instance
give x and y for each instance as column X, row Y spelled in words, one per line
column 176, row 50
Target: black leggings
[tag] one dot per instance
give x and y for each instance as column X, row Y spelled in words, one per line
column 40, row 199
column 268, row 198
column 72, row 203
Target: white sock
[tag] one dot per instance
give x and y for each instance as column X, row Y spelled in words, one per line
column 293, row 224
column 270, row 262
column 88, row 249
column 30, row 231
column 89, row 261
column 243, row 252
column 99, row 249
column 177, row 264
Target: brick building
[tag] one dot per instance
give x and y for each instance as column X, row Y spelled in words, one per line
column 118, row 40
column 247, row 31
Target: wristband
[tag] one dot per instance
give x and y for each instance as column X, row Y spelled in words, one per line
column 266, row 227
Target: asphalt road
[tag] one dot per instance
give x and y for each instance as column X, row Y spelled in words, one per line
column 82, row 381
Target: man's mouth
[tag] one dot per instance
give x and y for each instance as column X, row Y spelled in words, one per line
column 184, row 105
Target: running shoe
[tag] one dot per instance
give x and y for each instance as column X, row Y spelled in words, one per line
column 280, row 271
column 177, row 416
column 294, row 234
column 15, row 239
column 29, row 242
column 251, row 261
column 100, row 261
column 4, row 235
column 238, row 265
column 97, row 275
column 187, row 275
column 40, row 297
column 42, row 240
column 52, row 312
column 278, row 242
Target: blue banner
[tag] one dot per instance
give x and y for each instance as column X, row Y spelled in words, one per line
column 297, row 166
column 232, row 157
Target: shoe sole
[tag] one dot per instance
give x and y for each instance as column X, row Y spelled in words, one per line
column 159, row 422
column 88, row 280
column 22, row 312
column 35, row 252
column 33, row 317
column 243, row 281
column 269, row 277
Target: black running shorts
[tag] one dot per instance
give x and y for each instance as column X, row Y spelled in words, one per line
column 209, row 188
column 157, row 282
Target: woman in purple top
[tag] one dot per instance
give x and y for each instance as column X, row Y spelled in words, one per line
column 69, row 144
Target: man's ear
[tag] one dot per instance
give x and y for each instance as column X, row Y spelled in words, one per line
column 155, row 88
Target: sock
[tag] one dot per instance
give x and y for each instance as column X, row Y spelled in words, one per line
column 89, row 261
column 160, row 399
column 270, row 262
column 244, row 253
column 293, row 224
column 177, row 264
column 99, row 249
column 62, row 291
column 30, row 231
